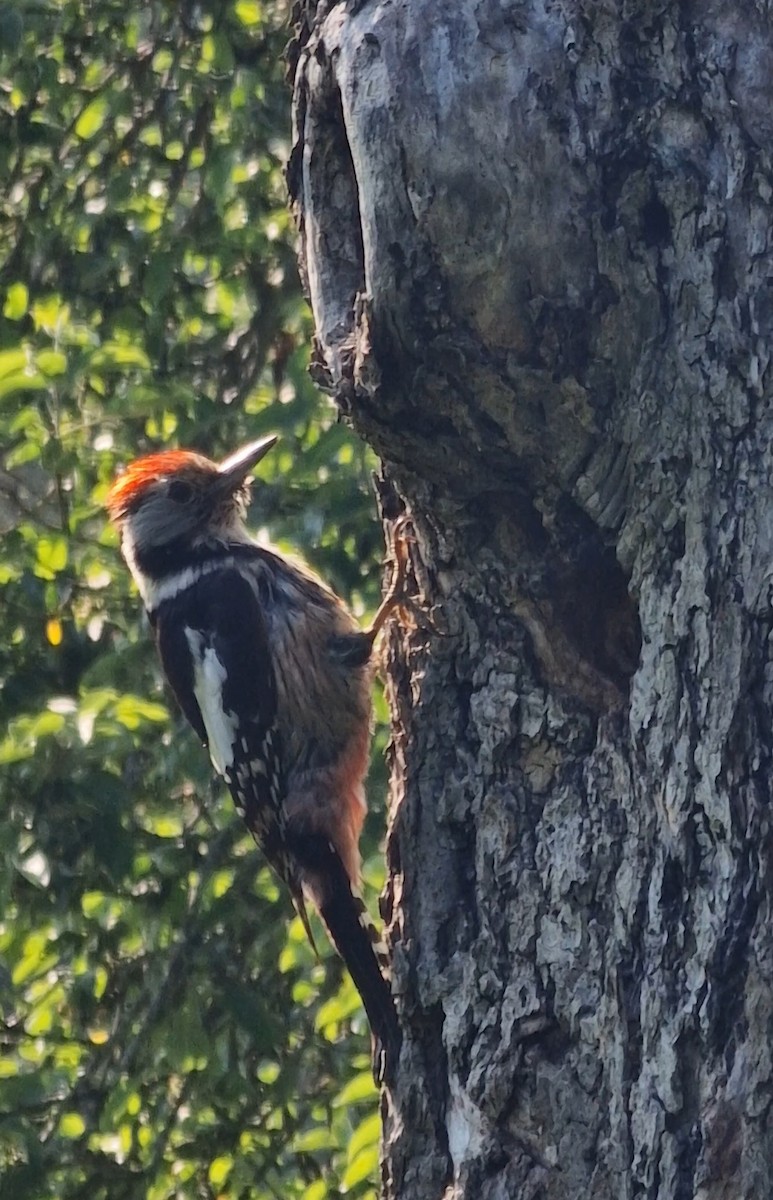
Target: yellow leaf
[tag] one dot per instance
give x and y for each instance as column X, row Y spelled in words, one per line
column 357, row 1090
column 366, row 1135
column 72, row 1125
column 13, row 361
column 365, row 1165
column 219, row 1169
column 100, row 981
column 318, row 1138
column 91, row 119
column 268, row 1072
column 221, row 882
column 51, row 362
column 50, row 313
column 16, row 300
column 248, row 11
column 166, row 827
column 52, row 556
column 39, row 1021
column 54, row 631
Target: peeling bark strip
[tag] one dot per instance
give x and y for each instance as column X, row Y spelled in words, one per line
column 537, row 240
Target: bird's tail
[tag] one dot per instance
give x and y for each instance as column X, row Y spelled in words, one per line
column 354, row 937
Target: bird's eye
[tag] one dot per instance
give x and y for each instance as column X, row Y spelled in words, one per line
column 180, row 491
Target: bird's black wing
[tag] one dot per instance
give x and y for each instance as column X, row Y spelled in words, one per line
column 214, row 649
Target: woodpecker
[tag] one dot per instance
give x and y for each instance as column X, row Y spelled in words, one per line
column 274, row 675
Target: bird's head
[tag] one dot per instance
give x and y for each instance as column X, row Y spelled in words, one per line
column 179, row 496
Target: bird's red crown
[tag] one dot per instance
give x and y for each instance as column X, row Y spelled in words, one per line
column 140, row 474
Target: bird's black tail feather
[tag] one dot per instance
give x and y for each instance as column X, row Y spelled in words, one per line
column 353, row 935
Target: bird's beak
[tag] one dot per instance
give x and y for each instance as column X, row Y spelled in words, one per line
column 234, row 470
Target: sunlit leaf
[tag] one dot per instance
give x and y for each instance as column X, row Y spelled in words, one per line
column 133, row 711
column 50, row 312
column 39, row 1021
column 92, row 118
column 249, row 12
column 52, row 555
column 268, row 1072
column 51, row 362
column 54, row 631
column 33, row 956
column 21, row 381
column 222, row 881
column 360, row 1088
column 312, row 1140
column 72, row 1125
column 119, row 354
column 100, row 981
column 16, row 300
column 219, row 1169
column 364, row 1166
column 338, row 1008
column 366, row 1135
column 166, row 826
column 13, row 361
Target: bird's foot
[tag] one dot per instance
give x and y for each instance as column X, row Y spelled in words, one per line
column 397, row 599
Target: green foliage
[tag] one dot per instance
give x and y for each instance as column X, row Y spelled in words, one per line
column 164, row 1028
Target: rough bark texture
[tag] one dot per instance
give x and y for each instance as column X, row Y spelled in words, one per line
column 537, row 241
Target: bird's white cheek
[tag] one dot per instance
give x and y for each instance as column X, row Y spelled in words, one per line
column 128, row 549
column 209, row 676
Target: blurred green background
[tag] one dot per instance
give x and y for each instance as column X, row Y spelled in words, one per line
column 164, row 1028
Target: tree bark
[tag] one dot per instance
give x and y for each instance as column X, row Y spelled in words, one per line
column 537, row 242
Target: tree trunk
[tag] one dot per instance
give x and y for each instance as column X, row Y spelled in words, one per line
column 536, row 238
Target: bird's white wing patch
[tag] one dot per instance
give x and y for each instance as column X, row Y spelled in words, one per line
column 209, row 675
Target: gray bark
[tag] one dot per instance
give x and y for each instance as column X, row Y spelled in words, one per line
column 537, row 242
